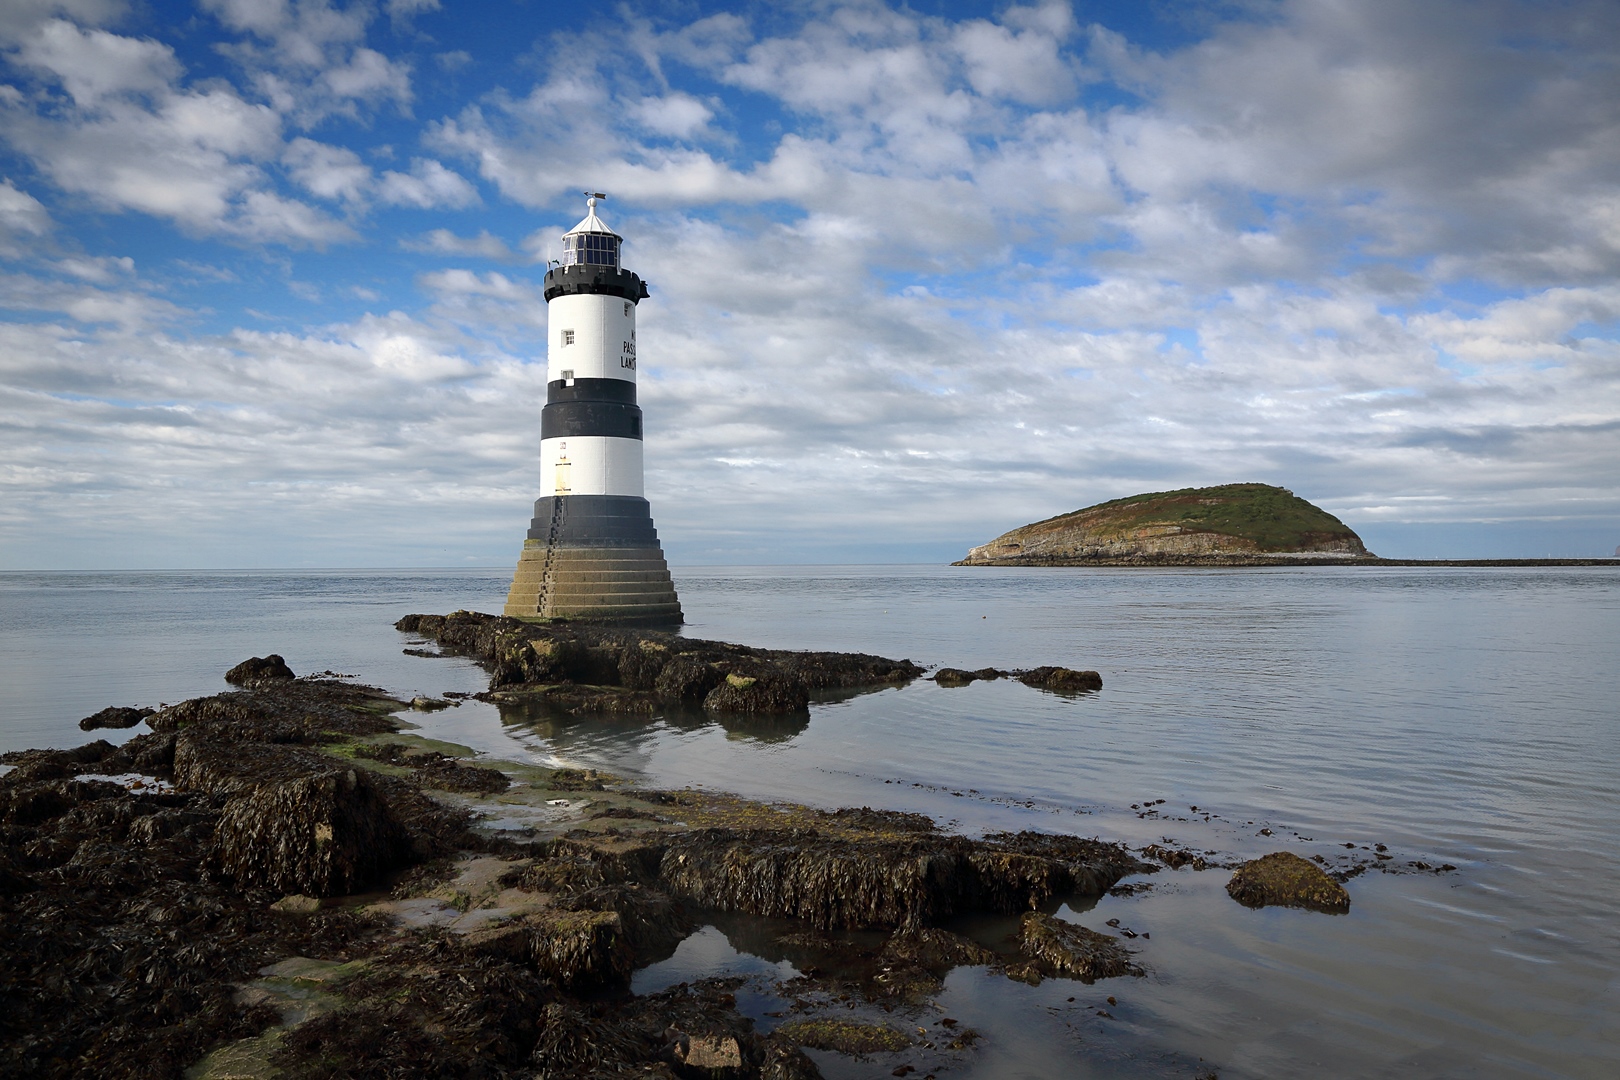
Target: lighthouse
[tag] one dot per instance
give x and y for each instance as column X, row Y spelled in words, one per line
column 592, row 551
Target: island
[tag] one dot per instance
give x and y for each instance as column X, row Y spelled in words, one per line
column 1228, row 525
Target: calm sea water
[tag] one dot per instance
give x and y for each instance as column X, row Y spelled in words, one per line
column 1458, row 716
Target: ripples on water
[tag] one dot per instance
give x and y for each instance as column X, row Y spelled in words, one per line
column 1456, row 715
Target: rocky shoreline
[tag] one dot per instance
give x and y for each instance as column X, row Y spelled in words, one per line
column 281, row 881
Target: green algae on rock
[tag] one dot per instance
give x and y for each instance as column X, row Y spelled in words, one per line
column 1286, row 880
column 1241, row 524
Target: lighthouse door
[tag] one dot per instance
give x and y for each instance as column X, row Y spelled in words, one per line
column 561, row 486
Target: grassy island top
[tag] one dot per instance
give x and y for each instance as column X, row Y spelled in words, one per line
column 1273, row 518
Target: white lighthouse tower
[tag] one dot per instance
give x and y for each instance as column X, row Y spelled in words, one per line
column 592, row 551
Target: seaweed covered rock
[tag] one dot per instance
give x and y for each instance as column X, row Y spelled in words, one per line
column 1069, row 950
column 210, row 761
column 424, row 1011
column 685, row 680
column 448, row 774
column 949, row 676
column 259, row 670
column 932, row 947
column 577, row 950
column 1061, row 679
column 114, row 895
column 838, row 879
column 636, row 670
column 286, row 711
column 33, row 766
column 435, row 770
column 758, row 694
column 329, row 834
column 12, row 879
column 1284, row 879
column 114, row 716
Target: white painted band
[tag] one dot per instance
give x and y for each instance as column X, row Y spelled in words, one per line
column 604, row 338
column 590, row 465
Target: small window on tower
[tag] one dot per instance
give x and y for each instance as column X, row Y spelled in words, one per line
column 568, row 337
column 568, row 377
column 627, row 309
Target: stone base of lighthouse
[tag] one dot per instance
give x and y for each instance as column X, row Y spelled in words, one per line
column 593, row 557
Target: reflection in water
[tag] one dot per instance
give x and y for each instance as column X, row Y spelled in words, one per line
column 595, row 733
column 1062, row 1028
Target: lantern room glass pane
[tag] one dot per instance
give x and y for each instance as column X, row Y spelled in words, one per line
column 594, row 249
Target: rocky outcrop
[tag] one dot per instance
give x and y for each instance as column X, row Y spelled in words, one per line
column 889, row 877
column 259, row 670
column 1284, row 879
column 583, row 668
column 1242, row 524
column 204, row 882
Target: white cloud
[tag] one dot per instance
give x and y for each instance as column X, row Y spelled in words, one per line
column 101, row 269
column 84, row 303
column 194, row 156
column 185, row 160
column 1023, row 66
column 94, row 64
column 309, row 60
column 21, row 18
column 368, row 76
column 404, row 9
column 327, row 172
column 427, row 185
column 446, row 242
column 679, row 116
column 21, row 215
column 264, row 215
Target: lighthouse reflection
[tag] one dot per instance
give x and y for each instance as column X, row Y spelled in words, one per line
column 571, row 734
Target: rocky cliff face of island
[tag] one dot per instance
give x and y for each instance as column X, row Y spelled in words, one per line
column 1231, row 524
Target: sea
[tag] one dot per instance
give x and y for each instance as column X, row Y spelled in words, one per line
column 1463, row 717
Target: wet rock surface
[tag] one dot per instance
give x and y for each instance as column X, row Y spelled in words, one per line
column 1284, row 879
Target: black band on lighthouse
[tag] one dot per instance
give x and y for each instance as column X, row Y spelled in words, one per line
column 576, row 419
column 589, row 279
column 594, row 521
column 619, row 390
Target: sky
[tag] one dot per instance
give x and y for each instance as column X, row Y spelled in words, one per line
column 271, row 272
